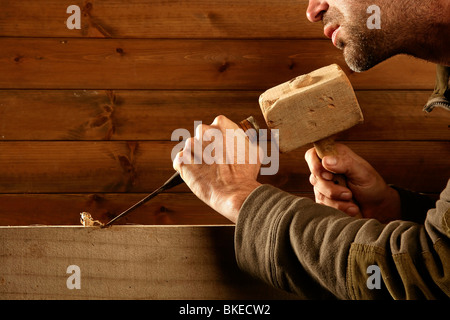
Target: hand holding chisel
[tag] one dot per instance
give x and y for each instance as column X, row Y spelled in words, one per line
column 175, row 179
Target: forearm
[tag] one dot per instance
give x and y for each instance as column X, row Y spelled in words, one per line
column 279, row 239
column 302, row 247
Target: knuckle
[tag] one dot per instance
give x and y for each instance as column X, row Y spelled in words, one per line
column 333, row 194
column 309, row 154
column 199, row 131
column 189, row 143
column 313, row 179
column 327, row 188
column 319, row 196
column 314, row 164
column 342, row 206
column 219, row 120
column 177, row 161
column 202, row 131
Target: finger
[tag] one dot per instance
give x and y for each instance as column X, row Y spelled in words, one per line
column 355, row 168
column 347, row 207
column 219, row 120
column 201, row 130
column 178, row 162
column 189, row 145
column 192, row 152
column 319, row 197
column 315, row 165
column 331, row 190
column 312, row 179
column 186, row 154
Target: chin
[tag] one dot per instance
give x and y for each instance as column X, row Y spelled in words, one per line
column 360, row 60
column 358, row 67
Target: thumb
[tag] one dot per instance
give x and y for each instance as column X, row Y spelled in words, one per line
column 346, row 162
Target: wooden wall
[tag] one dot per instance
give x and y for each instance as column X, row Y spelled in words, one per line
column 86, row 115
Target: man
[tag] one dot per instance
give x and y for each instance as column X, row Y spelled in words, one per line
column 318, row 251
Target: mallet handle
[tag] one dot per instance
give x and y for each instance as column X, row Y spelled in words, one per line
column 326, row 147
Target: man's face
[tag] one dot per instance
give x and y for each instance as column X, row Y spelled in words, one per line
column 345, row 22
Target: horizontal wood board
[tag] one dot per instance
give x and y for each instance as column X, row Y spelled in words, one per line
column 187, row 64
column 161, row 19
column 125, row 262
column 75, row 115
column 174, row 208
column 80, row 167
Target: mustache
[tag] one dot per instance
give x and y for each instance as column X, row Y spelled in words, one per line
column 332, row 17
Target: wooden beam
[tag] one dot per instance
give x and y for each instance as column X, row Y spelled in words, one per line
column 125, row 262
column 161, row 19
column 45, row 63
column 64, row 209
column 116, row 166
column 132, row 114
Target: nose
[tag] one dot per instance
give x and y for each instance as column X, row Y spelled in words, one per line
column 316, row 9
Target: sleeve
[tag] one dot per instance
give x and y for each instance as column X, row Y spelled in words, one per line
column 319, row 252
column 414, row 205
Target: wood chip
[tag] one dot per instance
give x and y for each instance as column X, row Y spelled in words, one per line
column 87, row 220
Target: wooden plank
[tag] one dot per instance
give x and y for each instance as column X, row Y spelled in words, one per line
column 64, row 209
column 115, row 115
column 187, row 64
column 132, row 115
column 161, row 19
column 90, row 167
column 125, row 263
column 398, row 115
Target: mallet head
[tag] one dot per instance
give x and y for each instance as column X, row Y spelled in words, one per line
column 311, row 107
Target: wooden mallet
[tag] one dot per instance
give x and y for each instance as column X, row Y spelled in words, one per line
column 312, row 108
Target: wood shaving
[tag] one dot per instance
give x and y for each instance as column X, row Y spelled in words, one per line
column 87, row 220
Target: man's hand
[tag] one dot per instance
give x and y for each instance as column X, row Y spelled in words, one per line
column 367, row 193
column 224, row 187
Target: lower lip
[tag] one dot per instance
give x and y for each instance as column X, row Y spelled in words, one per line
column 334, row 36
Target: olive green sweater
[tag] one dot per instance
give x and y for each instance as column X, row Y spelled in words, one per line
column 319, row 252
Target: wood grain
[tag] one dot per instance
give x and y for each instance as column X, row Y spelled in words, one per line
column 86, row 115
column 90, row 167
column 398, row 115
column 124, row 262
column 153, row 115
column 64, row 209
column 187, row 64
column 161, row 19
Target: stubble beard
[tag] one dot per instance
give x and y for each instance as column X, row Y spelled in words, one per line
column 363, row 48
